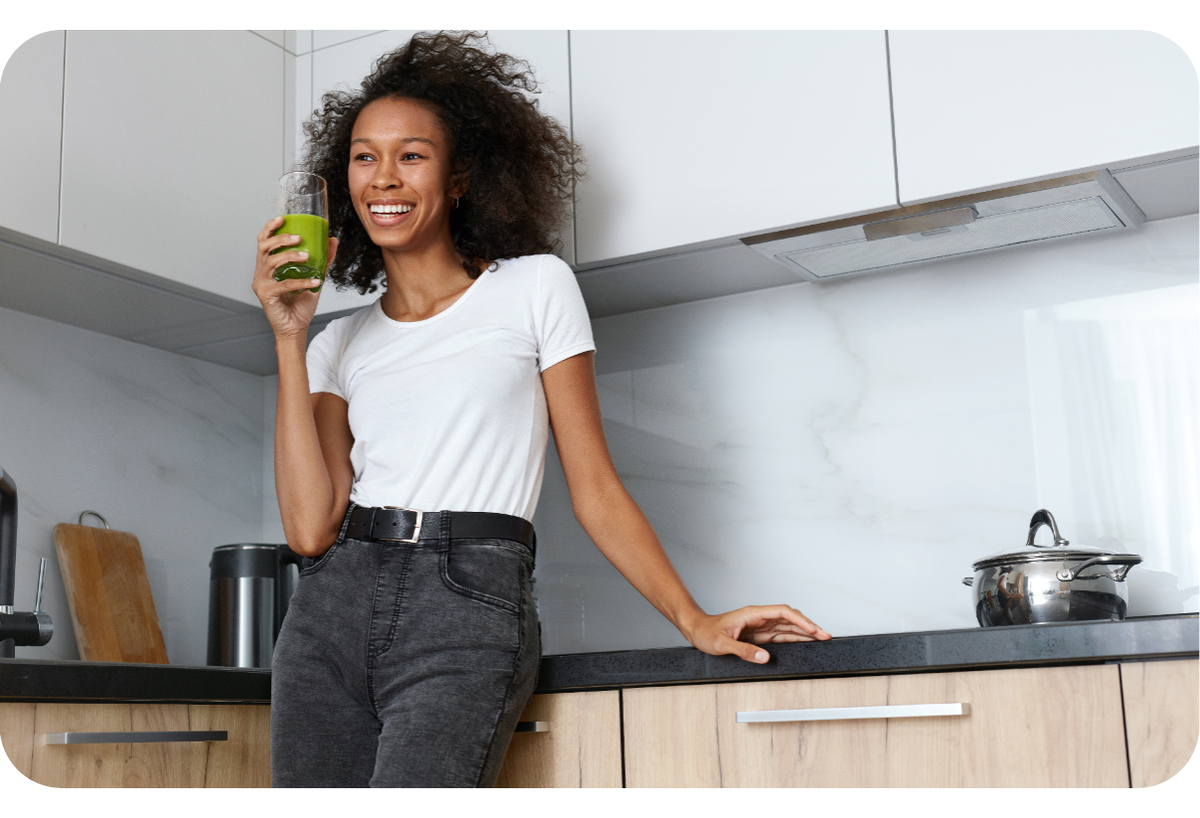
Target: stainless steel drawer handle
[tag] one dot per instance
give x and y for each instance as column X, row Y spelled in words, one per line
column 533, row 727
column 888, row 711
column 136, row 738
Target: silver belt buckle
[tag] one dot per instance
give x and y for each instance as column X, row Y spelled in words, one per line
column 416, row 528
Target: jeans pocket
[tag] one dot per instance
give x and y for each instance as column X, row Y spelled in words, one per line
column 495, row 572
column 311, row 565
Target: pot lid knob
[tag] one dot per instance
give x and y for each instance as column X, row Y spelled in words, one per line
column 1042, row 517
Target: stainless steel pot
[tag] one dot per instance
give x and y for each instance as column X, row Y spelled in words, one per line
column 1058, row 583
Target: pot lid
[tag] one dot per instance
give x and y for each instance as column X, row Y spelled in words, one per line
column 1061, row 550
column 1047, row 553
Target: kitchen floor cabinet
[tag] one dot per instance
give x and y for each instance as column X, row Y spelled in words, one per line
column 581, row 748
column 1043, row 727
column 1162, row 717
column 243, row 760
column 1112, row 725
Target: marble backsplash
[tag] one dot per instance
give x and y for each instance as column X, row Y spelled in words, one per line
column 166, row 447
column 852, row 448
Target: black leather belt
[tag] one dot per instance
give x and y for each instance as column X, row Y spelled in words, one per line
column 408, row 525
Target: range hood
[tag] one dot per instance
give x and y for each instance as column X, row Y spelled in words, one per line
column 1090, row 202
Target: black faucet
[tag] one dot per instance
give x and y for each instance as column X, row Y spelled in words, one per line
column 17, row 627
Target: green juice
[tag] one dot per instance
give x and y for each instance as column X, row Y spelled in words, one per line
column 314, row 238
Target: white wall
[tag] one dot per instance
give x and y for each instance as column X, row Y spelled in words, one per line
column 166, row 447
column 852, row 448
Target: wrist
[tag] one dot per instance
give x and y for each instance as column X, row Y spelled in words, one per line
column 690, row 621
column 290, row 343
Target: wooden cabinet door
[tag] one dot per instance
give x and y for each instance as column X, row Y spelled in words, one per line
column 582, row 747
column 1045, row 727
column 245, row 759
column 242, row 761
column 1162, row 717
column 981, row 109
column 16, row 733
column 692, row 136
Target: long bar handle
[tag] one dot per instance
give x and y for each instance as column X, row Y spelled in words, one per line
column 533, row 727
column 888, row 711
column 136, row 737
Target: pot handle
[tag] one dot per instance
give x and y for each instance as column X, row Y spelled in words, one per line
column 1042, row 517
column 969, row 581
column 1128, row 560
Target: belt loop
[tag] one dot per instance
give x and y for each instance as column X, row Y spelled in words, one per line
column 345, row 523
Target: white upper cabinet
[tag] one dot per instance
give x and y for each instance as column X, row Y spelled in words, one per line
column 692, row 136
column 172, row 145
column 981, row 109
column 31, row 110
column 338, row 61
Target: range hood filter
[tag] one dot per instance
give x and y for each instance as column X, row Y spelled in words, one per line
column 1086, row 203
column 989, row 233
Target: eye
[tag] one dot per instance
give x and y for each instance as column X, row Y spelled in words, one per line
column 410, row 156
column 363, row 157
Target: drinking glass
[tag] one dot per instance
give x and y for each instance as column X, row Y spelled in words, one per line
column 304, row 205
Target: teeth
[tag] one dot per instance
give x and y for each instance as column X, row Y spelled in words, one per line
column 385, row 209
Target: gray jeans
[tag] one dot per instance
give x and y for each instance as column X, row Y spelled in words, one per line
column 404, row 665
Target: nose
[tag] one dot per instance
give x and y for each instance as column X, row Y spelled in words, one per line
column 385, row 177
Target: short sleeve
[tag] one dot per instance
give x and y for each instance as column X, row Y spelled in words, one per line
column 324, row 354
column 563, row 326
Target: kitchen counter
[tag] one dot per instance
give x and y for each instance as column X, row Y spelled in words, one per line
column 1135, row 639
column 75, row 681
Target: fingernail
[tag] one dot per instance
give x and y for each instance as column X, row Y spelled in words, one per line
column 304, row 254
column 762, row 656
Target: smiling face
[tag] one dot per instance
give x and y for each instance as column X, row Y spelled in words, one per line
column 401, row 176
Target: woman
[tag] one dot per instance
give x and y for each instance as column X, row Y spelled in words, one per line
column 411, row 645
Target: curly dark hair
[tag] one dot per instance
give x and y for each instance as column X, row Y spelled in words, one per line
column 521, row 165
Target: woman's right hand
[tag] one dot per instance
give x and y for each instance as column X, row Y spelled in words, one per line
column 288, row 304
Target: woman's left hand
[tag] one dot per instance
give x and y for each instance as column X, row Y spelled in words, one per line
column 738, row 632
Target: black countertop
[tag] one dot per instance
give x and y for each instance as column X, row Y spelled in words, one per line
column 1135, row 639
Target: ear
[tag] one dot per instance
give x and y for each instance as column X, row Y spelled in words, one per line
column 460, row 180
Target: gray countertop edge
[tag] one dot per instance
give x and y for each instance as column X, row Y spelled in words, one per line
column 1143, row 638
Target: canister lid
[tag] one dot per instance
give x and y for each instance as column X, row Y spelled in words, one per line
column 245, row 560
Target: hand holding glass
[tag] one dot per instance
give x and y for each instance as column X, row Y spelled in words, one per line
column 304, row 205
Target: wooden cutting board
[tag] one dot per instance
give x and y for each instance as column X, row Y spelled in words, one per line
column 109, row 594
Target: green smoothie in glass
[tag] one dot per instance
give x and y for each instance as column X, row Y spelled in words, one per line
column 314, row 239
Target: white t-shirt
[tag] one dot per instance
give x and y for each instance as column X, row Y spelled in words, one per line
column 449, row 412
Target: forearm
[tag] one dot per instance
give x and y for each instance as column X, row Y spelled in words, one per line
column 302, row 481
column 617, row 526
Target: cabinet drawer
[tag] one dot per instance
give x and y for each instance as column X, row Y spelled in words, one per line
column 1043, row 727
column 242, row 760
column 580, row 748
